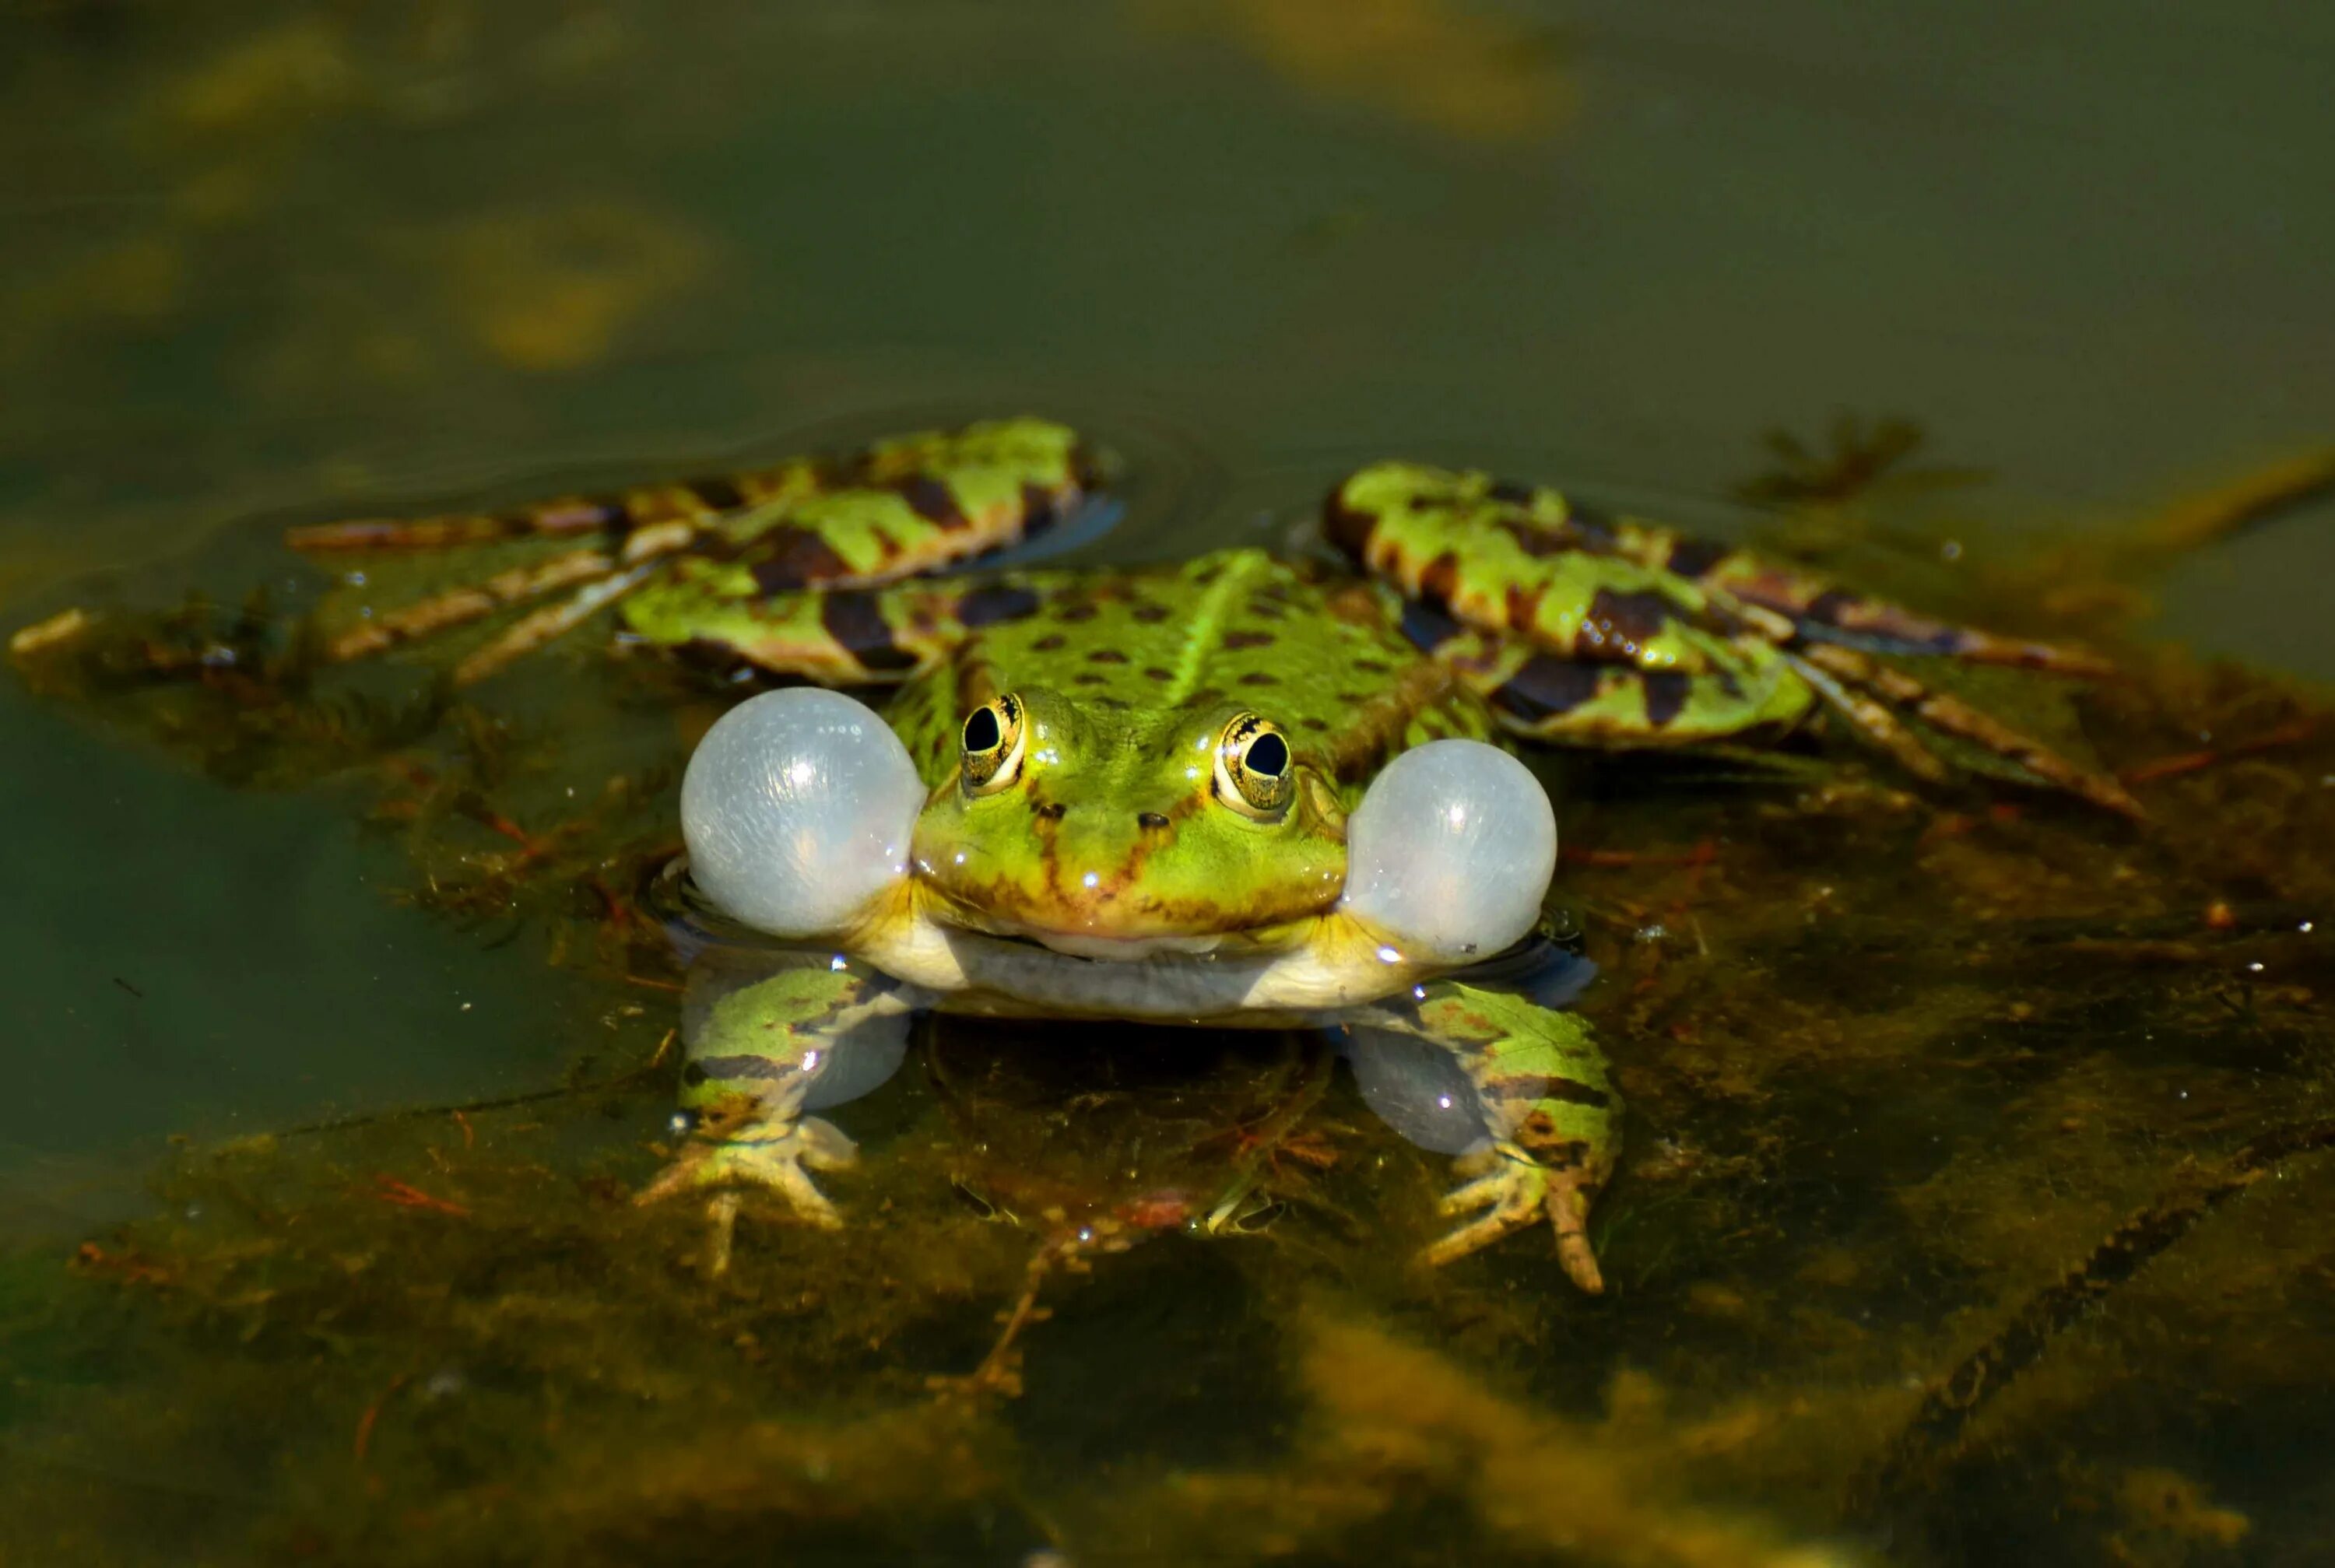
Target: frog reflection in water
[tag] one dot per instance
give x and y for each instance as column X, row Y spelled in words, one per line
column 1236, row 792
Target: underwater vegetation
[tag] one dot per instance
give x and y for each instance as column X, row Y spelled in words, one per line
column 1970, row 1203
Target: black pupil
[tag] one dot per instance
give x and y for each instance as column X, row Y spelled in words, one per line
column 1269, row 755
column 981, row 731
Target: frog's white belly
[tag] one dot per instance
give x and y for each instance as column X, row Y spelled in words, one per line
column 1336, row 964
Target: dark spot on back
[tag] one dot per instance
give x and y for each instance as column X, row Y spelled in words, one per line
column 853, row 619
column 1635, row 618
column 710, row 654
column 1348, row 528
column 1038, row 510
column 1249, row 639
column 1693, row 557
column 1509, row 490
column 987, row 606
column 1077, row 611
column 1157, row 673
column 793, row 558
column 1427, row 626
column 1441, row 577
column 1538, row 541
column 1048, row 811
column 1318, row 726
column 1591, row 529
column 1666, row 695
column 1088, row 678
column 1151, row 820
column 1106, row 656
column 1547, row 686
column 1151, row 614
column 1048, row 644
column 718, row 495
column 934, row 502
column 1523, row 606
column 1833, row 607
column 1371, row 666
column 1259, row 678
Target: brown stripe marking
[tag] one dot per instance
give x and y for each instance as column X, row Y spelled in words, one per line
column 1348, row 528
column 792, row 558
column 1667, row 692
column 1547, row 686
column 1618, row 624
column 934, row 502
column 1441, row 580
column 1693, row 558
column 853, row 618
column 718, row 494
column 1039, row 510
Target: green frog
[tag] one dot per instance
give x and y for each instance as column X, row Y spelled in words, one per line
column 1235, row 791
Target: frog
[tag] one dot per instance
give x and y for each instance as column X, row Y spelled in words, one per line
column 1241, row 790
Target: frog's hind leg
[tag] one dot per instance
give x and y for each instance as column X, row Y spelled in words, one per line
column 639, row 526
column 1866, row 692
column 1740, row 688
column 1815, row 607
column 904, row 506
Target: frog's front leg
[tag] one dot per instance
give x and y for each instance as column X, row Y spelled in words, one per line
column 764, row 1048
column 1543, row 1131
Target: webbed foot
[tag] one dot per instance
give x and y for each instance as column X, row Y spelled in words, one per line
column 1515, row 1190
column 775, row 1158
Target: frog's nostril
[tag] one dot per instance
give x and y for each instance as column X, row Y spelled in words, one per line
column 1151, row 820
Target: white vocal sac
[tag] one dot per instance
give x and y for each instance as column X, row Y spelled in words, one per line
column 1451, row 852
column 798, row 807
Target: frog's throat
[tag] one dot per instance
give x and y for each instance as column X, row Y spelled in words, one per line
column 1333, row 962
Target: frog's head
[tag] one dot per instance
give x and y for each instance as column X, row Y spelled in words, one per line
column 1108, row 834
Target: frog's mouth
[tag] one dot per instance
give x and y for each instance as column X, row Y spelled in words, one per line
column 1113, row 949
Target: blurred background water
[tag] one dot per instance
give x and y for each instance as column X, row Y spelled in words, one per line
column 260, row 261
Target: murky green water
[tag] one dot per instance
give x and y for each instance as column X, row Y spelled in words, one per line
column 1969, row 1206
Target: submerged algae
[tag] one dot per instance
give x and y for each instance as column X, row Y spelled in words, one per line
column 1967, row 1208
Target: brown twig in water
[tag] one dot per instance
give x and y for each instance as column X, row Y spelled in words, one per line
column 1938, row 1425
column 2286, row 734
column 371, row 1416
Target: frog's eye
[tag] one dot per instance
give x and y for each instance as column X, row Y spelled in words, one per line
column 1254, row 775
column 993, row 745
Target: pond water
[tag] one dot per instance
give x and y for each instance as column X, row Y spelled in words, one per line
column 1969, row 1206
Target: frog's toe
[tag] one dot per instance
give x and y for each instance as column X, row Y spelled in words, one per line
column 1515, row 1191
column 771, row 1158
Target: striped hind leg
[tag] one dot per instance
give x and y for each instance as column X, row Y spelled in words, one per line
column 1860, row 687
column 904, row 506
column 1527, row 560
column 640, row 525
column 1743, row 689
column 1816, row 607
